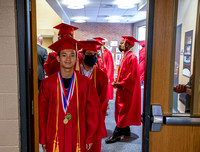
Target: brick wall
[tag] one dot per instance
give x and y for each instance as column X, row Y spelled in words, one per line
column 9, row 97
column 110, row 31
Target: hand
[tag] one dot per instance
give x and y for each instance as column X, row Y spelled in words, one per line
column 44, row 147
column 88, row 146
column 116, row 84
column 180, row 88
column 189, row 91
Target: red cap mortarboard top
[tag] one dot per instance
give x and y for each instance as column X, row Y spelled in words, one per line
column 65, row 29
column 100, row 39
column 91, row 45
column 131, row 40
column 142, row 43
column 66, row 42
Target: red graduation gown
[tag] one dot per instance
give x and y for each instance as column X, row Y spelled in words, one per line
column 142, row 63
column 128, row 98
column 52, row 65
column 101, row 87
column 89, row 112
column 109, row 65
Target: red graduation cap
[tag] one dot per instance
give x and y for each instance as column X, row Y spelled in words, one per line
column 100, row 40
column 91, row 45
column 66, row 42
column 131, row 40
column 65, row 29
column 142, row 43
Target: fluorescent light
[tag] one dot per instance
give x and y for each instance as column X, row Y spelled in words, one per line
column 80, row 21
column 113, row 21
column 75, row 4
column 114, row 18
column 126, row 4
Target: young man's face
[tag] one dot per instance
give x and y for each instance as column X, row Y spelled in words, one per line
column 67, row 58
column 89, row 57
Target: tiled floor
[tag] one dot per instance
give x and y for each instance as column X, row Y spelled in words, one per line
column 127, row 144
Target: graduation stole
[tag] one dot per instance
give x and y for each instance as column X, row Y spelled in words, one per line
column 56, row 142
column 121, row 65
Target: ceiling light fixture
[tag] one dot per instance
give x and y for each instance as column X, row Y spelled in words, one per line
column 80, row 19
column 126, row 4
column 75, row 4
column 114, row 21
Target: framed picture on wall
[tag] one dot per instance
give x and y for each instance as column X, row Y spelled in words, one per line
column 117, row 59
column 187, row 55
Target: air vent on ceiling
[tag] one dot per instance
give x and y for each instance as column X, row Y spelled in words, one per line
column 107, row 6
column 127, row 15
column 103, row 16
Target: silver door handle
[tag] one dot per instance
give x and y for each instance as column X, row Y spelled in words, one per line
column 158, row 119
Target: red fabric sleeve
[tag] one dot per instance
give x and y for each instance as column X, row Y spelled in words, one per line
column 110, row 66
column 92, row 113
column 43, row 112
column 129, row 80
column 52, row 65
column 103, row 93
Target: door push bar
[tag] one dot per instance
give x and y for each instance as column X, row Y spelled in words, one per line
column 158, row 119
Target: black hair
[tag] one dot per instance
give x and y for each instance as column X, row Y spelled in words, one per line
column 84, row 52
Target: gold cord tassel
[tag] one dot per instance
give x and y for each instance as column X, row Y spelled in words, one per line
column 77, row 60
column 78, row 149
column 102, row 55
column 55, row 146
column 56, row 143
column 78, row 145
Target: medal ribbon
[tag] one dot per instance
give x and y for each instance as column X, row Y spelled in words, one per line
column 70, row 92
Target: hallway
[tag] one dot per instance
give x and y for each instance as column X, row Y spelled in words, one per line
column 127, row 144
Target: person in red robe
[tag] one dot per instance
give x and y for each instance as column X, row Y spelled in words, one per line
column 128, row 93
column 108, row 64
column 69, row 106
column 100, row 79
column 52, row 66
column 142, row 61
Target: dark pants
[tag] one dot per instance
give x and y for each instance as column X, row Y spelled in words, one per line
column 121, row 131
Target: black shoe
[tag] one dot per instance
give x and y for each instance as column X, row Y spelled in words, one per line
column 112, row 139
column 127, row 131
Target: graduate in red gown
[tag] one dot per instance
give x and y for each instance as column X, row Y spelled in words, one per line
column 100, row 79
column 142, row 60
column 69, row 106
column 52, row 66
column 128, row 94
column 108, row 64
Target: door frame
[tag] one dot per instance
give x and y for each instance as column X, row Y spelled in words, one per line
column 147, row 77
column 25, row 74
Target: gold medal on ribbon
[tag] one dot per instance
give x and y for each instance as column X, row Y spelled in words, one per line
column 65, row 121
column 67, row 118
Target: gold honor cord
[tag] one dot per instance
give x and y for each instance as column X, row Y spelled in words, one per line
column 78, row 146
column 95, row 81
column 120, row 69
column 56, row 143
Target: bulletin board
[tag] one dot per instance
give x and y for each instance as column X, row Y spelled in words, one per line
column 187, row 56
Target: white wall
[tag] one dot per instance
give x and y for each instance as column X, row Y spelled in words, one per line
column 135, row 26
column 187, row 11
